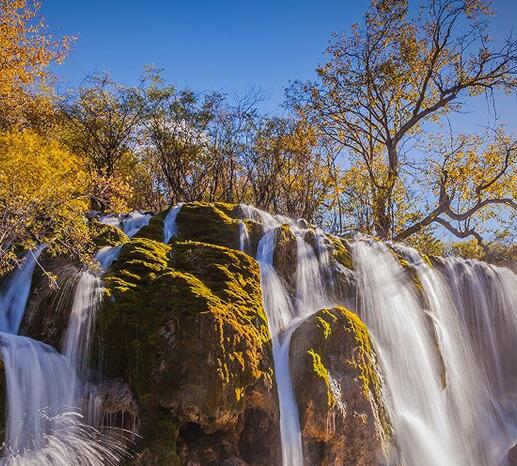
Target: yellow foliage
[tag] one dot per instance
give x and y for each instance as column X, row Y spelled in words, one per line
column 43, row 197
column 26, row 50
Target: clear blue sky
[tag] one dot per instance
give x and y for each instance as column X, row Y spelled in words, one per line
column 225, row 45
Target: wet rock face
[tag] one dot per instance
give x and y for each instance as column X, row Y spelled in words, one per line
column 342, row 415
column 50, row 301
column 284, row 257
column 512, row 456
column 184, row 325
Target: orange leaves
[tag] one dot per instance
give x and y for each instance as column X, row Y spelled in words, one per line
column 26, row 50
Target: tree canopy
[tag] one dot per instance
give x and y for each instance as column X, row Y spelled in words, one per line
column 367, row 146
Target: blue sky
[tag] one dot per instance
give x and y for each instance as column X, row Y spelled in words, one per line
column 225, row 45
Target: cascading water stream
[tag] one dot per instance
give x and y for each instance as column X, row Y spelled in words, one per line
column 485, row 297
column 444, row 334
column 42, row 426
column 408, row 357
column 81, row 323
column 244, row 237
column 427, row 327
column 470, row 402
column 285, row 314
column 169, row 223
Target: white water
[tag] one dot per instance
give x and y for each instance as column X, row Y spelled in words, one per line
column 169, row 223
column 284, row 314
column 42, row 426
column 15, row 291
column 442, row 404
column 485, row 297
column 447, row 355
column 45, row 388
column 79, row 334
column 244, row 237
column 130, row 223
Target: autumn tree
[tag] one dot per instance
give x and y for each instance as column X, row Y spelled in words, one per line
column 177, row 133
column 289, row 172
column 44, row 194
column 386, row 83
column 26, row 51
column 103, row 117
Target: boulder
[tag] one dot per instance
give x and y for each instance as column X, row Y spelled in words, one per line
column 207, row 223
column 335, row 376
column 184, row 325
column 284, row 256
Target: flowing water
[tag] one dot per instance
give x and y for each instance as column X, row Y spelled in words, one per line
column 169, row 223
column 42, row 425
column 44, row 388
column 445, row 336
column 285, row 313
column 427, row 326
column 15, row 291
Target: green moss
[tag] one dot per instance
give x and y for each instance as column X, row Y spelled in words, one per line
column 321, row 371
column 338, row 342
column 154, row 229
column 106, row 235
column 204, row 222
column 231, row 210
column 341, row 251
column 183, row 317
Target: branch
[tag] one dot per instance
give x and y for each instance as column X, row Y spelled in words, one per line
column 463, row 233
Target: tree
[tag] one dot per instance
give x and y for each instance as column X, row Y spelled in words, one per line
column 26, row 50
column 177, row 132
column 102, row 121
column 44, row 193
column 384, row 86
column 287, row 169
column 103, row 118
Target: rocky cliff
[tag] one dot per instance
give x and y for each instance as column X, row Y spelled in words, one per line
column 185, row 353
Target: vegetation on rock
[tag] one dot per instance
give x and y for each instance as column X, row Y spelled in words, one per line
column 339, row 392
column 184, row 324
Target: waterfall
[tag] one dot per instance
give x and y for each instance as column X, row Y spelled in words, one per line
column 169, row 223
column 407, row 354
column 14, row 292
column 485, row 297
column 284, row 314
column 441, row 399
column 87, row 297
column 444, row 333
column 88, row 292
column 45, row 388
column 81, row 323
column 43, row 427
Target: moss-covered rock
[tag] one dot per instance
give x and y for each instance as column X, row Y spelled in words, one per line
column 154, row 229
column 339, row 393
column 284, row 256
column 184, row 324
column 207, row 223
column 106, row 235
column 341, row 252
